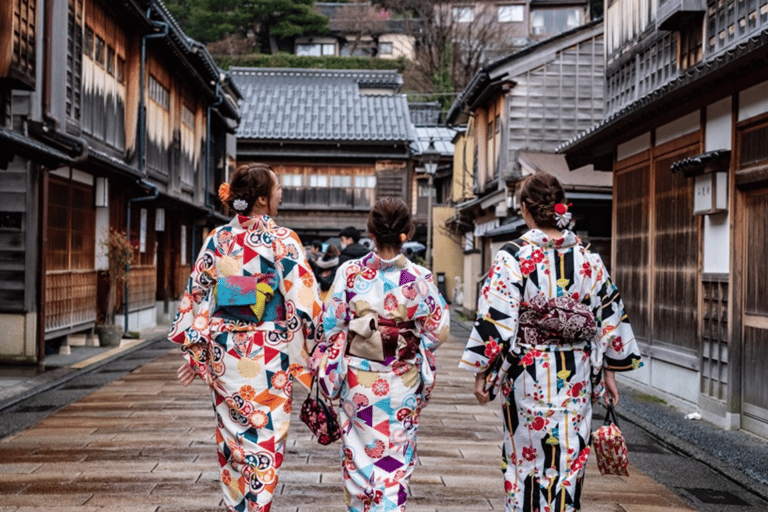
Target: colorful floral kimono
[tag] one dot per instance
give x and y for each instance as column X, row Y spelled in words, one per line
column 382, row 321
column 547, row 384
column 247, row 323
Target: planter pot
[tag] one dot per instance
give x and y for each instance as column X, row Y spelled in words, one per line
column 109, row 335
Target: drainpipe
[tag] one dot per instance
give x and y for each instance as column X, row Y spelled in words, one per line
column 132, row 200
column 219, row 101
column 142, row 86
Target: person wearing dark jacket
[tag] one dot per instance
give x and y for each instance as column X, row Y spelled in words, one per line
column 351, row 248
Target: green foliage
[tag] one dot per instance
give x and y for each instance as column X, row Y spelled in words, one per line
column 286, row 60
column 212, row 20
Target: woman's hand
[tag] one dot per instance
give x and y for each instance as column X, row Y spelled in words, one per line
column 611, row 391
column 186, row 374
column 480, row 393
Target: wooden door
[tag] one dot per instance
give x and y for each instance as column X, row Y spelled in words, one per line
column 755, row 312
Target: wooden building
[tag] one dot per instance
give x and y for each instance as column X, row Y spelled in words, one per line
column 515, row 112
column 337, row 139
column 686, row 137
column 110, row 118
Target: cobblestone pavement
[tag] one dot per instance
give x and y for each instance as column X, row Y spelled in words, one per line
column 145, row 443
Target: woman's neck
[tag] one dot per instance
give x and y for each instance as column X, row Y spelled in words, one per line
column 551, row 232
column 387, row 253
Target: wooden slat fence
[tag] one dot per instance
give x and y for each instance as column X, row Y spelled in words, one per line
column 70, row 299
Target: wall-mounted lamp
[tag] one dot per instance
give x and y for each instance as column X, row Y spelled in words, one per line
column 101, row 199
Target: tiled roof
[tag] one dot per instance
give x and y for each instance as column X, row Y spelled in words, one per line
column 317, row 104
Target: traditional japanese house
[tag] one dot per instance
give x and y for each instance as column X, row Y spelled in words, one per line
column 111, row 118
column 516, row 111
column 686, row 137
column 337, row 139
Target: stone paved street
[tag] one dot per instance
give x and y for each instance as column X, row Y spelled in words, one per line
column 145, row 443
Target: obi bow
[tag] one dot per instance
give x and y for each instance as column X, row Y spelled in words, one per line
column 253, row 291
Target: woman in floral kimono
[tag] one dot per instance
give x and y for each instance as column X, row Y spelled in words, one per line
column 246, row 325
column 383, row 318
column 551, row 331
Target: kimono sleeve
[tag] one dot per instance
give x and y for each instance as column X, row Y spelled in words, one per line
column 328, row 362
column 190, row 327
column 498, row 308
column 303, row 308
column 435, row 319
column 617, row 348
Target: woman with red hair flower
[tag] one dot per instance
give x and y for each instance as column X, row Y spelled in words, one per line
column 550, row 305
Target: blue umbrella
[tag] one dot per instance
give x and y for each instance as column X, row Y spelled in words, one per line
column 415, row 247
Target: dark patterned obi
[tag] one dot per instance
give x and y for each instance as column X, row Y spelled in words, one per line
column 250, row 299
column 557, row 321
column 382, row 340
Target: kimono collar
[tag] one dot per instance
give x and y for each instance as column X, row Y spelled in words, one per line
column 257, row 223
column 375, row 262
column 538, row 237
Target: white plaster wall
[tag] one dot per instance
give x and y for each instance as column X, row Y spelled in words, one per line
column 17, row 337
column 102, row 231
column 634, row 146
column 717, row 235
column 142, row 319
column 471, row 270
column 718, row 126
column 753, row 101
column 676, row 381
column 677, row 128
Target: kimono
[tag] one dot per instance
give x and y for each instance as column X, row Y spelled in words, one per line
column 382, row 320
column 247, row 323
column 547, row 387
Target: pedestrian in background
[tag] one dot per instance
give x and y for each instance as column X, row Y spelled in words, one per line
column 383, row 319
column 552, row 306
column 314, row 252
column 247, row 323
column 326, row 269
column 351, row 248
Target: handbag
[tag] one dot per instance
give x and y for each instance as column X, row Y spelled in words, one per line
column 610, row 447
column 319, row 416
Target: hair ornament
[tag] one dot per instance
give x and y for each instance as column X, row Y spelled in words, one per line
column 562, row 215
column 224, row 192
column 239, row 204
column 403, row 237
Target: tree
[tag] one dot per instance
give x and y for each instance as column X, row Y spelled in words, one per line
column 270, row 20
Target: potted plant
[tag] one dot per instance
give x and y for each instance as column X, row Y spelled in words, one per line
column 119, row 253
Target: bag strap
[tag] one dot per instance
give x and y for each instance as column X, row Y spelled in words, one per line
column 610, row 415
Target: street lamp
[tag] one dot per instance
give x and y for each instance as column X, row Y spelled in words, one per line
column 430, row 156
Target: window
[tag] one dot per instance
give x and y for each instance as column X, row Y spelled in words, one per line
column 71, row 243
column 463, row 14
column 98, row 55
column 555, row 21
column 341, row 193
column 291, row 180
column 293, row 192
column 158, row 93
column 187, row 116
column 120, row 70
column 88, row 42
column 752, row 147
column 385, row 48
column 341, row 181
column 315, row 49
column 511, row 13
column 74, row 61
column 365, row 191
column 691, row 42
column 111, row 60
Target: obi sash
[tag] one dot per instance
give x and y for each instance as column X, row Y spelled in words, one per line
column 382, row 340
column 557, row 321
column 248, row 298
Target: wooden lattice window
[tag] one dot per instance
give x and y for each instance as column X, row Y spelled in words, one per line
column 753, row 144
column 714, row 337
column 74, row 60
column 691, row 44
column 24, row 17
column 71, row 226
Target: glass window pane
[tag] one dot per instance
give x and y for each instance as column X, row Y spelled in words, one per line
column 312, row 50
column 329, row 49
column 511, row 13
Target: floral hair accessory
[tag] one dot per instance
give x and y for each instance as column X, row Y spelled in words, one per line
column 562, row 215
column 239, row 204
column 224, row 192
column 403, row 237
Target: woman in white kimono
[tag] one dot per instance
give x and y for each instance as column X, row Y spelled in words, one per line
column 383, row 318
column 247, row 323
column 552, row 320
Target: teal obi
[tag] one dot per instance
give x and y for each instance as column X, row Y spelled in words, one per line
column 252, row 298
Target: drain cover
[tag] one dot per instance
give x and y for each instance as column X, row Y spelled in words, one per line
column 81, row 386
column 716, row 497
column 35, row 408
column 643, row 448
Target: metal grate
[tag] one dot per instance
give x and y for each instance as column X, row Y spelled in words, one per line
column 716, row 497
